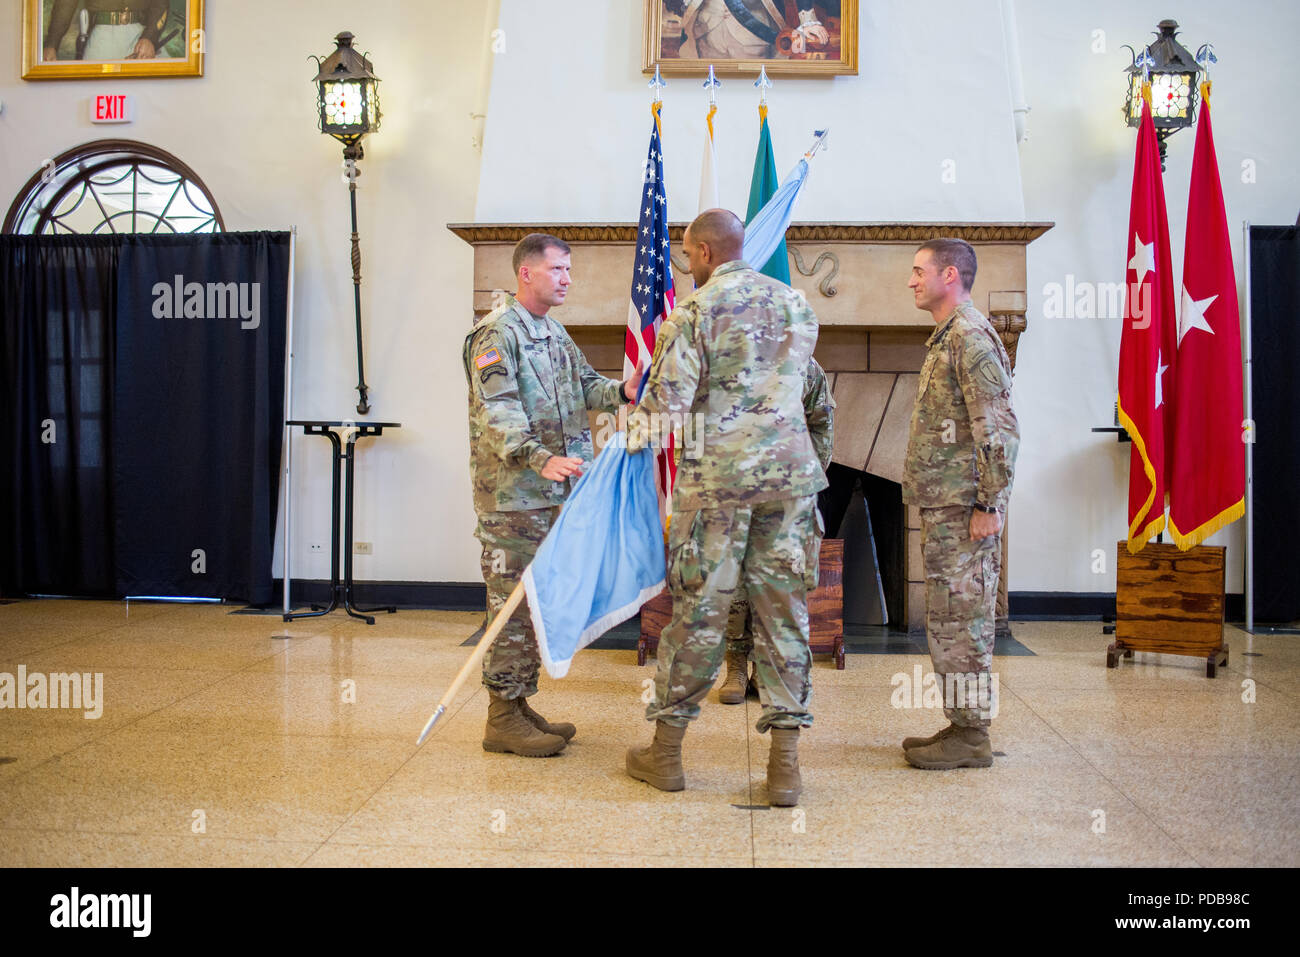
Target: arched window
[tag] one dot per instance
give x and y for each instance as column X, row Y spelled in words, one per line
column 114, row 186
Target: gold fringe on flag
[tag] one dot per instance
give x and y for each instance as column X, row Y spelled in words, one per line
column 1136, row 541
column 1197, row 535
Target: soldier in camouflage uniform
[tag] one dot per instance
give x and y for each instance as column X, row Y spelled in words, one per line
column 819, row 412
column 961, row 455
column 735, row 352
column 529, row 392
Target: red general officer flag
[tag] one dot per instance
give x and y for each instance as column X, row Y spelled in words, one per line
column 1148, row 343
column 1207, row 475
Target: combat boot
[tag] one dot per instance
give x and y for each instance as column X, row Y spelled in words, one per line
column 962, row 748
column 733, row 689
column 783, row 782
column 910, row 743
column 562, row 728
column 509, row 731
column 660, row 765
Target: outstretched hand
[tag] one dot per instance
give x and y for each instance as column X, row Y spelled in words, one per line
column 632, row 385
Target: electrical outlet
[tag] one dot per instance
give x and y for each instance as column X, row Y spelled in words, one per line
column 363, row 548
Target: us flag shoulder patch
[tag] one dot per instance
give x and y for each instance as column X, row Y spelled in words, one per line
column 487, row 358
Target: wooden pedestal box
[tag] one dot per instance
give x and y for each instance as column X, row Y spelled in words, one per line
column 825, row 610
column 1171, row 602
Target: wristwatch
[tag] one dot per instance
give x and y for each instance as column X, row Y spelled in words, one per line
column 987, row 509
column 622, row 391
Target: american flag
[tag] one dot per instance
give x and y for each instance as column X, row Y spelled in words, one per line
column 652, row 283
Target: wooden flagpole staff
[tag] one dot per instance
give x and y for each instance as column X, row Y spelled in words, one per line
column 475, row 659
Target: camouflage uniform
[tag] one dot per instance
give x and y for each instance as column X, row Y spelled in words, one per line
column 737, row 352
column 961, row 451
column 819, row 412
column 529, row 392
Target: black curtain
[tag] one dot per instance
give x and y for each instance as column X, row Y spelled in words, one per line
column 178, row 399
column 1275, row 399
column 58, row 296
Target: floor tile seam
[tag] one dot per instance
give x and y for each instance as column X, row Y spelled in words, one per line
column 1124, row 794
column 457, row 845
column 78, row 832
column 384, row 783
column 1265, row 683
column 65, row 641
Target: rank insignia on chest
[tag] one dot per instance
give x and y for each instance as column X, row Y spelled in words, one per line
column 487, row 359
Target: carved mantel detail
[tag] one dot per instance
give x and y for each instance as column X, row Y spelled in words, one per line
column 1022, row 233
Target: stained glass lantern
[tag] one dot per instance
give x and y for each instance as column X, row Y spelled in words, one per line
column 1173, row 71
column 347, row 94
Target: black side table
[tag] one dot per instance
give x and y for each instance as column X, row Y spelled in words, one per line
column 341, row 592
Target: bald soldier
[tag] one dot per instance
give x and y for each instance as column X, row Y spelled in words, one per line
column 529, row 392
column 735, row 353
column 961, row 455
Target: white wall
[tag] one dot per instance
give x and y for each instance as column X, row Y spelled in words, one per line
column 569, row 121
column 248, row 128
column 565, row 136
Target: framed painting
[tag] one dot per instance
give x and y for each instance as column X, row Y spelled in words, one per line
column 80, row 39
column 736, row 37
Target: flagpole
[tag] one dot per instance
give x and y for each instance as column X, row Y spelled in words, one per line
column 1250, row 447
column 475, row 659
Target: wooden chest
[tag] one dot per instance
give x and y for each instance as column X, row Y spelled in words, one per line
column 825, row 610
column 1171, row 602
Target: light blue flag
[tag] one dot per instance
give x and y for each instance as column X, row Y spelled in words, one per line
column 766, row 230
column 602, row 560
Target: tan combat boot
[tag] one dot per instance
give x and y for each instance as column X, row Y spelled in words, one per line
column 562, row 728
column 660, row 765
column 733, row 689
column 783, row 782
column 962, row 748
column 509, row 731
column 910, row 743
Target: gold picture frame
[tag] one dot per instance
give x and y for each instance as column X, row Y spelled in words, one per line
column 112, row 39
column 737, row 37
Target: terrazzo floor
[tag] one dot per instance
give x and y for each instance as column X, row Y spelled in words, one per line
column 222, row 744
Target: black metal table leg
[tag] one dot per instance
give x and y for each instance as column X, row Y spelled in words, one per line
column 352, row 609
column 335, row 585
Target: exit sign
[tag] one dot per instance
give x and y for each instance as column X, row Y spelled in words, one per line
column 112, row 108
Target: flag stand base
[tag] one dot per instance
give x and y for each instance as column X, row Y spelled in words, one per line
column 1170, row 602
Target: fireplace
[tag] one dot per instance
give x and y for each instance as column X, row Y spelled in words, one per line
column 871, row 343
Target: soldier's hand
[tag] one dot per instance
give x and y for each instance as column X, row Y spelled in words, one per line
column 984, row 524
column 633, row 384
column 558, row 468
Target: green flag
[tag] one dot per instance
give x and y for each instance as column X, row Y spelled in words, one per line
column 761, row 188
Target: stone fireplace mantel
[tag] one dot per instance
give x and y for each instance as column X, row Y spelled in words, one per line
column 872, row 338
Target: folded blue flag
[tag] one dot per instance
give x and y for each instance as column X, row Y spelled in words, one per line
column 602, row 560
column 766, row 230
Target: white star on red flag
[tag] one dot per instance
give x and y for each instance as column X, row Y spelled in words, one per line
column 1193, row 314
column 1144, row 256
